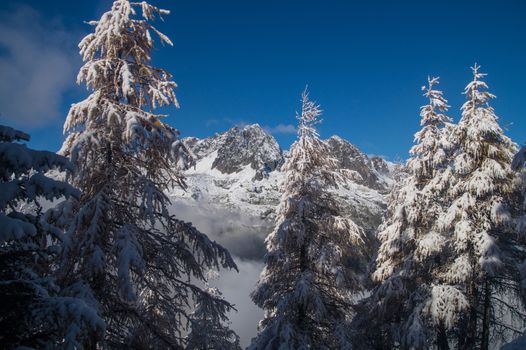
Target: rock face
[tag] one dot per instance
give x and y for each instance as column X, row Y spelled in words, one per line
column 381, row 166
column 239, row 147
column 239, row 171
column 367, row 170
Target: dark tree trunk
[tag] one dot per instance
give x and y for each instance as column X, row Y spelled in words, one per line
column 468, row 334
column 486, row 316
column 442, row 339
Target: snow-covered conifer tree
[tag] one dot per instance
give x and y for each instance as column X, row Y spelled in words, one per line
column 33, row 313
column 519, row 165
column 123, row 245
column 480, row 224
column 307, row 285
column 398, row 311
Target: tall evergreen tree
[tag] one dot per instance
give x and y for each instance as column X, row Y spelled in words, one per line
column 33, row 313
column 399, row 310
column 123, row 246
column 307, row 285
column 480, row 224
column 519, row 165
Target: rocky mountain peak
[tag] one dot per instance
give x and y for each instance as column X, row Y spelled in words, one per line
column 239, row 147
column 371, row 171
column 240, row 170
column 252, row 146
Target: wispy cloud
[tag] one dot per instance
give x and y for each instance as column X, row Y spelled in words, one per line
column 279, row 129
column 37, row 66
column 212, row 122
column 226, row 122
column 240, row 123
column 282, row 129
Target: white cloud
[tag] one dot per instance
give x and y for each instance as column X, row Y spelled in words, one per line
column 37, row 59
column 240, row 123
column 243, row 236
column 237, row 122
column 282, row 129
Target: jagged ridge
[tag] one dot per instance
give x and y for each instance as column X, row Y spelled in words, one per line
column 240, row 170
column 239, row 147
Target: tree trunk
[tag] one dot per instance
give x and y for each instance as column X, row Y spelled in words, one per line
column 468, row 339
column 442, row 339
column 486, row 316
column 302, row 319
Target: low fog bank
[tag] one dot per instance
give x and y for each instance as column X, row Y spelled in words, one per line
column 244, row 238
column 236, row 288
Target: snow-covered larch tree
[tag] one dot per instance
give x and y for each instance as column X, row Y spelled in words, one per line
column 32, row 311
column 519, row 165
column 480, row 224
column 399, row 309
column 123, row 245
column 307, row 285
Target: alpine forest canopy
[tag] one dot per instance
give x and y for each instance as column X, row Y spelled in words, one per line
column 317, row 247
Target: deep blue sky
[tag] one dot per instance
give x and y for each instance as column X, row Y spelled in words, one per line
column 239, row 61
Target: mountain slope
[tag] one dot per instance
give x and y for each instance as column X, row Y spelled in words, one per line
column 239, row 171
column 234, row 191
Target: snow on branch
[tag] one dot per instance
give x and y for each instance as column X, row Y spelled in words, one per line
column 309, row 116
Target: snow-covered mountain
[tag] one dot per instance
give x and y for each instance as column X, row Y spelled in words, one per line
column 238, row 148
column 239, row 172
